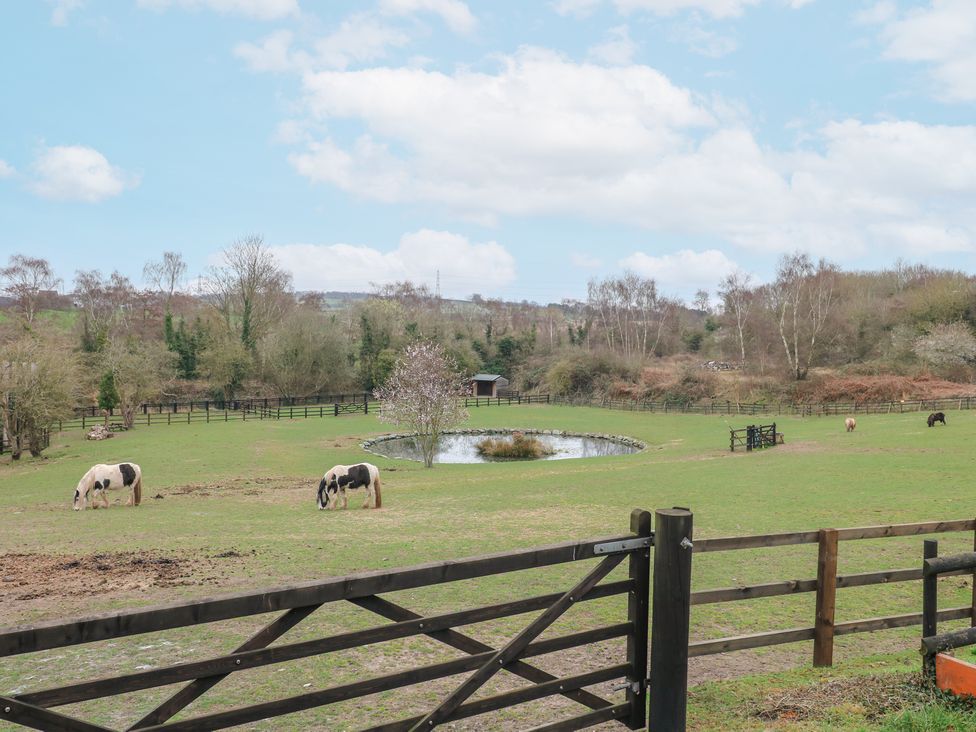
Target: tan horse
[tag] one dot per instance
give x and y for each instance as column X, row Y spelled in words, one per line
column 850, row 423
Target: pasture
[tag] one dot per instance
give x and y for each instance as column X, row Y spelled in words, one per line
column 228, row 507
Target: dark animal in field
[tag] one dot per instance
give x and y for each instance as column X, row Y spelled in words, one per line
column 849, row 424
column 340, row 478
column 100, row 478
column 936, row 417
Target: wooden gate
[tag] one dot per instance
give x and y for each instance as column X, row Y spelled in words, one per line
column 37, row 708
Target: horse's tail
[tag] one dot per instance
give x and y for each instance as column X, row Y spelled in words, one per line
column 137, row 490
column 318, row 499
column 378, row 502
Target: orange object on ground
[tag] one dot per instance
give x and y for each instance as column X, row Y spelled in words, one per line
column 952, row 674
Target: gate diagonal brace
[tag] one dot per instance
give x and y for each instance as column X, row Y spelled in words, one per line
column 28, row 715
column 455, row 639
column 195, row 689
column 511, row 651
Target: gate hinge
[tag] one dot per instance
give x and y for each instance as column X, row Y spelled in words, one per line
column 633, row 686
column 627, row 545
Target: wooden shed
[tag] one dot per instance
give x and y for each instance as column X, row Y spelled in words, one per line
column 489, row 385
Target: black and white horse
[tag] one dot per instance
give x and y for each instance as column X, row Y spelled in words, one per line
column 340, row 478
column 936, row 417
column 100, row 478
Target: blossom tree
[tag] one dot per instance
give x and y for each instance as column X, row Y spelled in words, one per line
column 424, row 393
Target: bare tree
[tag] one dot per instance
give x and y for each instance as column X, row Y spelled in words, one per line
column 737, row 299
column 306, row 354
column 106, row 305
column 802, row 296
column 249, row 289
column 167, row 275
column 140, row 370
column 38, row 381
column 28, row 280
column 424, row 393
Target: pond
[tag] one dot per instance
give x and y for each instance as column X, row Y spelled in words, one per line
column 461, row 447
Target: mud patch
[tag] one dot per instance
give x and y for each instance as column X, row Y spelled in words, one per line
column 34, row 576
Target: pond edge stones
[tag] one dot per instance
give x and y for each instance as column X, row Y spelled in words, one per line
column 639, row 445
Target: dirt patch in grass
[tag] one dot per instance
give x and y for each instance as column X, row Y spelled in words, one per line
column 871, row 697
column 247, row 487
column 35, row 576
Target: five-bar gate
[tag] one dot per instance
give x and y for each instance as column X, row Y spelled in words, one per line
column 370, row 590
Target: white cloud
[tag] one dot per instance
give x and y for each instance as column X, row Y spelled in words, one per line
column 454, row 13
column 713, row 8
column 547, row 136
column 684, row 271
column 357, row 39
column 6, row 169
column 62, row 9
column 942, row 35
column 259, row 9
column 578, row 8
column 464, row 266
column 585, row 261
column 701, row 40
column 77, row 173
column 617, row 50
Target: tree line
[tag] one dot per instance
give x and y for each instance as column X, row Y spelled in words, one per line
column 242, row 330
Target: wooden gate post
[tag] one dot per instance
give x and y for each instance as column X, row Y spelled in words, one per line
column 823, row 634
column 670, row 620
column 930, row 603
column 638, row 613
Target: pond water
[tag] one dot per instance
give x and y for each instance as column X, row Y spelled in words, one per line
column 461, row 448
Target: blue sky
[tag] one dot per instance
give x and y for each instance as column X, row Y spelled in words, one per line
column 519, row 149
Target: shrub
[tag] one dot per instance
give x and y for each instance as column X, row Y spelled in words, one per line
column 519, row 446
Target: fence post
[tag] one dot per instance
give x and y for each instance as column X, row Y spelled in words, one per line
column 365, row 405
column 972, row 620
column 638, row 613
column 823, row 637
column 670, row 620
column 335, row 407
column 930, row 601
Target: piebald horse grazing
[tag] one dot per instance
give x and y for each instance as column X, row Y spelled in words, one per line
column 100, row 478
column 341, row 478
column 850, row 423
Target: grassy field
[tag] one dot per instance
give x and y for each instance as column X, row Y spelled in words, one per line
column 228, row 507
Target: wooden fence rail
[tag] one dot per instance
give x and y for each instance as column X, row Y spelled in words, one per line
column 480, row 661
column 825, row 585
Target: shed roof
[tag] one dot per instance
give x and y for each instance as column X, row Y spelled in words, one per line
column 487, row 377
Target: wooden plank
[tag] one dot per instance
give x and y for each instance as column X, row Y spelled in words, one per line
column 511, row 650
column 354, row 690
column 791, row 587
column 823, row 638
column 759, row 541
column 671, row 619
column 44, row 636
column 914, row 529
column 247, row 659
column 896, row 621
column 511, row 698
column 28, row 715
column 742, row 642
column 951, row 563
column 583, row 721
column 195, row 689
column 638, row 614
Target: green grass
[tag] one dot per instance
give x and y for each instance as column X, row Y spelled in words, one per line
column 251, row 488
